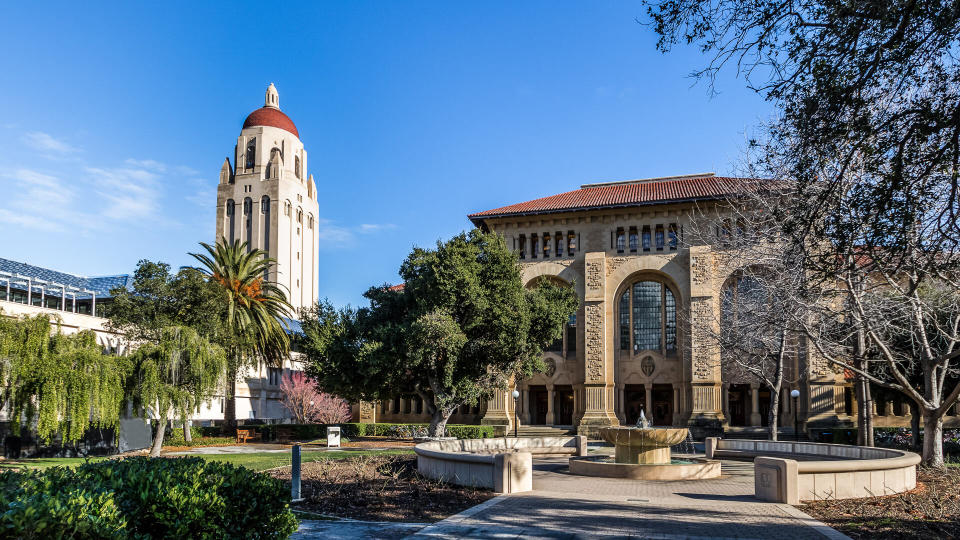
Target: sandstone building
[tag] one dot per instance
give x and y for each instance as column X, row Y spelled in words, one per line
column 641, row 338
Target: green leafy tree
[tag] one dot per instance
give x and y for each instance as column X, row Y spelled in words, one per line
column 159, row 299
column 462, row 326
column 254, row 310
column 64, row 383
column 173, row 377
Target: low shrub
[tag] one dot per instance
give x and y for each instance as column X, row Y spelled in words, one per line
column 303, row 432
column 145, row 498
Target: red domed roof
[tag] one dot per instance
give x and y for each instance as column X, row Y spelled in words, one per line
column 269, row 116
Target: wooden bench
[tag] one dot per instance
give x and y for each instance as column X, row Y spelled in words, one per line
column 244, row 435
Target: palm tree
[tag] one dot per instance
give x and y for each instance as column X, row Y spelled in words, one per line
column 255, row 310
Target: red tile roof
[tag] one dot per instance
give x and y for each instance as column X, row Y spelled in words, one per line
column 622, row 194
column 269, row 116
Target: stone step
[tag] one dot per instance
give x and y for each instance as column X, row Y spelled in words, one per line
column 544, row 431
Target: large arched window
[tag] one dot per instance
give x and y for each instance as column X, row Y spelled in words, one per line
column 647, row 313
column 296, row 166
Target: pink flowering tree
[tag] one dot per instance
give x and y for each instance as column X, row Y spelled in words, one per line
column 310, row 406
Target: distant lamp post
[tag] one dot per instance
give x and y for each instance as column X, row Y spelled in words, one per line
column 795, row 394
column 516, row 425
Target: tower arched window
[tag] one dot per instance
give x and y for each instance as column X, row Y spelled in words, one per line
column 647, row 314
column 296, row 166
column 265, row 210
column 248, row 222
column 251, row 155
column 310, row 221
column 299, row 215
column 286, row 208
column 231, row 217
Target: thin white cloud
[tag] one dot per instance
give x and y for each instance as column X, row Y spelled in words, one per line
column 130, row 192
column 366, row 228
column 47, row 143
column 29, row 221
column 334, row 236
column 146, row 164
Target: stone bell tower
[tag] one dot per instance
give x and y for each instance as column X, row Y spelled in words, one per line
column 266, row 199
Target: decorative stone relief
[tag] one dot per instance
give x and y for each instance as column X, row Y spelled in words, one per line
column 699, row 269
column 593, row 331
column 701, row 320
column 551, row 367
column 594, row 276
column 647, row 366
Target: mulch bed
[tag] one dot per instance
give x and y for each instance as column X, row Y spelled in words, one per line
column 379, row 488
column 932, row 510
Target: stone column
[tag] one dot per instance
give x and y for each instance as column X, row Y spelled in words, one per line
column 706, row 416
column 755, row 419
column 888, row 408
column 821, row 408
column 726, row 399
column 551, row 397
column 676, row 405
column 498, row 411
column 648, row 401
column 598, row 360
column 621, row 403
column 525, row 406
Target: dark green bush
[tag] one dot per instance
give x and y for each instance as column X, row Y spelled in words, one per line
column 304, row 432
column 145, row 498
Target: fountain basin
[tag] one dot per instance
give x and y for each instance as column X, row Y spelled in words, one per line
column 694, row 469
column 646, row 446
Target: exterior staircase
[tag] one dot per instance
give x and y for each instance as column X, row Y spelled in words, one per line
column 760, row 433
column 544, row 431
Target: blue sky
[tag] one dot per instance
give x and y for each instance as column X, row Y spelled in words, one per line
column 116, row 119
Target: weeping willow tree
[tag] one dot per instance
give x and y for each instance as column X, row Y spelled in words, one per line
column 172, row 377
column 65, row 384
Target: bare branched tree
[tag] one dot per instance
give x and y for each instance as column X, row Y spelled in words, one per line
column 755, row 330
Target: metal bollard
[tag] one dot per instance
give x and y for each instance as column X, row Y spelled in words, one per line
column 295, row 474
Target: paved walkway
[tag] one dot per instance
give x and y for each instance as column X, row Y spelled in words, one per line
column 567, row 506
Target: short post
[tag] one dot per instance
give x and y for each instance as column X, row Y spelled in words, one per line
column 516, row 424
column 795, row 394
column 295, row 474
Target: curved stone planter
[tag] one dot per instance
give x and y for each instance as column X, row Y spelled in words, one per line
column 593, row 466
column 503, row 464
column 791, row 472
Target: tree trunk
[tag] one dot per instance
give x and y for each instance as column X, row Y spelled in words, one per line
column 438, row 422
column 158, row 436
column 230, row 404
column 869, row 439
column 187, row 436
column 933, row 440
column 774, row 414
column 915, row 417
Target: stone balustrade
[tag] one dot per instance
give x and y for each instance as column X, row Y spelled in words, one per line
column 791, row 472
column 503, row 464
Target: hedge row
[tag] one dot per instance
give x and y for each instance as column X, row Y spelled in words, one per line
column 144, row 498
column 353, row 429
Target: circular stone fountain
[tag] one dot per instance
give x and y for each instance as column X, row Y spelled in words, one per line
column 643, row 453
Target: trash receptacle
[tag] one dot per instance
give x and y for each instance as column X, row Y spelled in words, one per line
column 333, row 436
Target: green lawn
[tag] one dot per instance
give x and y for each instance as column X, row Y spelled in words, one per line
column 257, row 461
